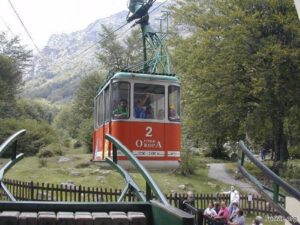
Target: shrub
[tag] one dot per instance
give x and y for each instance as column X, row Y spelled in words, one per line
column 42, row 162
column 188, row 164
column 45, row 153
column 86, row 133
column 77, row 144
column 58, row 151
column 67, row 142
column 294, row 152
column 50, row 151
column 38, row 134
column 217, row 153
column 234, row 157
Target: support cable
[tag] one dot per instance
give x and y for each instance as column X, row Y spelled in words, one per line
column 87, row 49
column 26, row 30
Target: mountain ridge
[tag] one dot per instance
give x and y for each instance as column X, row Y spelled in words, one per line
column 68, row 57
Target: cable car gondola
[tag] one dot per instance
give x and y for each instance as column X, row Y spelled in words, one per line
column 139, row 106
column 143, row 112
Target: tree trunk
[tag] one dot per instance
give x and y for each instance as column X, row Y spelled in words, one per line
column 280, row 141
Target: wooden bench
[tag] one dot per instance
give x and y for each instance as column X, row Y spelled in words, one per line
column 70, row 218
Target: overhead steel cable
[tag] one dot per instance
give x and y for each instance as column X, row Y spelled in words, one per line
column 158, row 6
column 85, row 50
column 26, row 30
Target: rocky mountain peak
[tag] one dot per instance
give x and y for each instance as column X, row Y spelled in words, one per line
column 65, row 58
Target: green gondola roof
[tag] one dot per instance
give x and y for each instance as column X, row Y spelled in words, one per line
column 146, row 76
column 137, row 75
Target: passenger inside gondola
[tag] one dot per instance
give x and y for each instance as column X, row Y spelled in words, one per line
column 149, row 101
column 139, row 111
column 121, row 112
column 120, row 102
column 149, row 112
column 174, row 103
column 172, row 113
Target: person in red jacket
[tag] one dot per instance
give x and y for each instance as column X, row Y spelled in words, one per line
column 223, row 214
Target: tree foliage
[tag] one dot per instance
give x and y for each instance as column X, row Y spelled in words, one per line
column 14, row 60
column 12, row 48
column 85, row 94
column 38, row 135
column 34, row 109
column 240, row 69
column 115, row 55
column 83, row 107
column 10, row 81
column 77, row 118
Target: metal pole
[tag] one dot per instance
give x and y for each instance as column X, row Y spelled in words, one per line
column 115, row 156
column 148, row 192
column 14, row 150
column 275, row 192
column 145, row 50
column 243, row 159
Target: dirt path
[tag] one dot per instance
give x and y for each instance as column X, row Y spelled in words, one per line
column 218, row 171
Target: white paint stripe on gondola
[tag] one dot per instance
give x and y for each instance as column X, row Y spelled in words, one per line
column 153, row 153
column 143, row 153
column 173, row 153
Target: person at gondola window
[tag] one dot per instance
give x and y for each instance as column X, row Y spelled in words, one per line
column 172, row 113
column 121, row 112
column 139, row 111
column 149, row 112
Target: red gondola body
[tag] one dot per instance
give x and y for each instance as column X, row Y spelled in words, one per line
column 154, row 139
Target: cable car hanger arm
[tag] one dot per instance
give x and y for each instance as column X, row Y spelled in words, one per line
column 138, row 9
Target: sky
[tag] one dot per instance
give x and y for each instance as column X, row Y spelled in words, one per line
column 45, row 17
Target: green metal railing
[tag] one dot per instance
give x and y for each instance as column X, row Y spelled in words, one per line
column 277, row 181
column 151, row 185
column 130, row 184
column 11, row 141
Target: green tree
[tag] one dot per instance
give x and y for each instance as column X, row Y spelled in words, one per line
column 85, row 135
column 35, row 109
column 10, row 81
column 116, row 55
column 80, row 121
column 38, row 135
column 239, row 62
column 14, row 61
column 85, row 94
column 13, row 49
column 67, row 121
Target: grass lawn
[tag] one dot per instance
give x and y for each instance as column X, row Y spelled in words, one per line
column 91, row 175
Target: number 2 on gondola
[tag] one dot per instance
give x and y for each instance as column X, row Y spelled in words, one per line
column 149, row 131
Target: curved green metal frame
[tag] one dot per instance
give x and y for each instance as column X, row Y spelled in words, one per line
column 270, row 174
column 291, row 190
column 12, row 140
column 130, row 184
column 150, row 183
